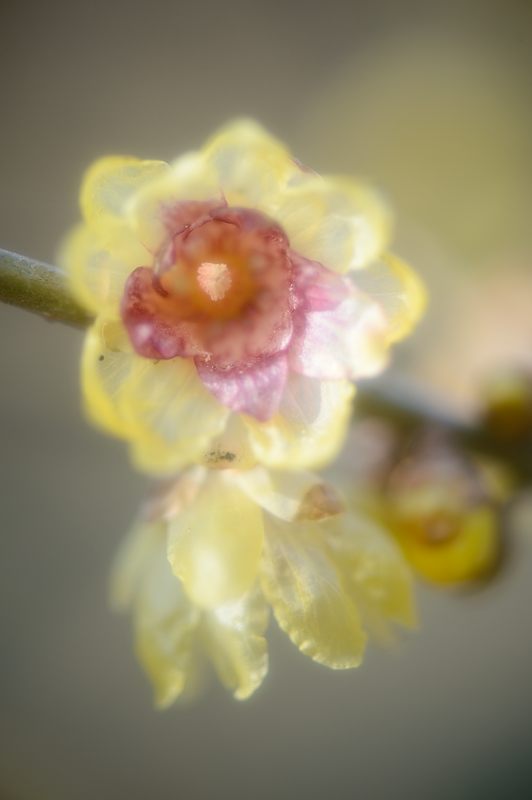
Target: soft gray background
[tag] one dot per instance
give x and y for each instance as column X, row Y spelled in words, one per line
column 447, row 714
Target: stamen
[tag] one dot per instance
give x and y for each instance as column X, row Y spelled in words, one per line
column 214, row 279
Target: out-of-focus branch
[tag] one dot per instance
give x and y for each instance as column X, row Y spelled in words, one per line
column 409, row 410
column 42, row 289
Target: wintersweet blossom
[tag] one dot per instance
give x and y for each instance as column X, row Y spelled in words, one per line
column 217, row 548
column 236, row 295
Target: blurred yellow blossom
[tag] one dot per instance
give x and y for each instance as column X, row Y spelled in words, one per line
column 236, row 295
column 442, row 506
column 216, row 548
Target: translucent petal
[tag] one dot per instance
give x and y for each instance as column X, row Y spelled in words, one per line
column 349, row 341
column 307, row 594
column 252, row 166
column 375, row 572
column 398, row 290
column 215, row 544
column 171, row 413
column 111, row 182
column 231, row 449
column 340, row 223
column 310, row 427
column 98, row 265
column 166, row 627
column 152, row 211
column 254, row 390
column 134, row 556
column 106, row 365
column 280, row 492
column 234, row 639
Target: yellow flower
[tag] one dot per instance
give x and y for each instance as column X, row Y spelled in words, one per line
column 231, row 307
column 218, row 547
column 442, row 507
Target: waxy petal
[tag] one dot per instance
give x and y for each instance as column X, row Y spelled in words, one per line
column 215, row 544
column 308, row 596
column 172, row 415
column 165, row 630
column 340, row 223
column 309, row 428
column 315, row 287
column 235, row 641
column 165, row 205
column 252, row 166
column 99, row 264
column 282, row 493
column 375, row 572
column 393, row 284
column 350, row 341
column 165, row 622
column 107, row 363
column 255, row 390
column 109, row 185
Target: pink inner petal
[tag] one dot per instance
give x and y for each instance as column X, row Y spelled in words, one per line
column 315, row 287
column 345, row 342
column 256, row 390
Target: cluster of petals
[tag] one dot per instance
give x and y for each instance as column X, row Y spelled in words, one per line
column 217, row 549
column 236, row 297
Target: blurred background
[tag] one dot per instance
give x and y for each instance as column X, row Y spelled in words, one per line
column 432, row 102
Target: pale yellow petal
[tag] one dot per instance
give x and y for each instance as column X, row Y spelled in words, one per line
column 231, row 448
column 252, row 166
column 375, row 572
column 215, row 544
column 173, row 416
column 308, row 596
column 340, row 223
column 310, row 427
column 399, row 292
column 135, row 554
column 98, row 265
column 110, row 183
column 234, row 639
column 280, row 492
column 107, row 363
column 166, row 626
column 188, row 179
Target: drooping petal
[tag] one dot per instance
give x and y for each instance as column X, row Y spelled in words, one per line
column 165, row 630
column 215, row 544
column 234, row 639
column 134, row 556
column 349, row 341
column 172, row 415
column 98, row 265
column 375, row 572
column 252, row 166
column 111, row 182
column 308, row 430
column 282, row 493
column 256, row 390
column 307, row 594
column 398, row 290
column 107, row 363
column 188, row 188
column 340, row 223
